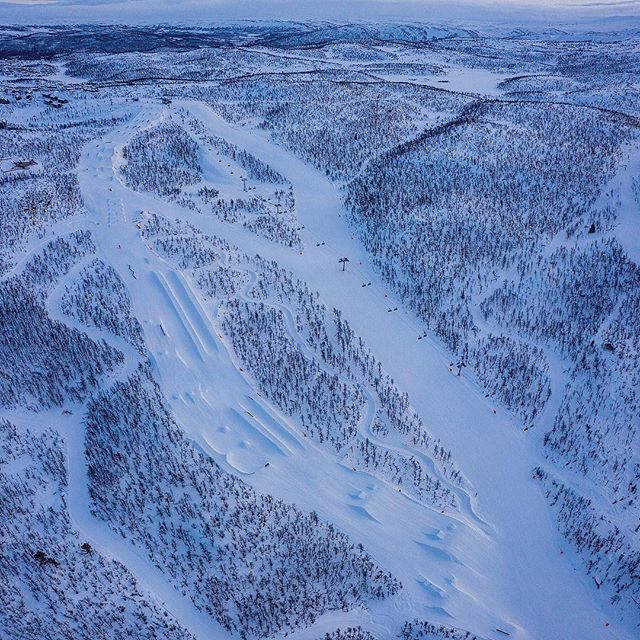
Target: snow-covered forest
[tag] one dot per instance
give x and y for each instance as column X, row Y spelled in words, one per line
column 319, row 331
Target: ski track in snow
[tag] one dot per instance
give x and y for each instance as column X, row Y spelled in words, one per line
column 455, row 570
column 91, row 529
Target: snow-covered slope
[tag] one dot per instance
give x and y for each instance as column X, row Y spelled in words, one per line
column 328, row 336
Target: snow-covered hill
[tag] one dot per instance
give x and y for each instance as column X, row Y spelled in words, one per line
column 319, row 331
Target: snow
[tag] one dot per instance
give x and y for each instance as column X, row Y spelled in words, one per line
column 481, row 81
column 103, row 539
column 629, row 216
column 499, row 563
column 494, row 560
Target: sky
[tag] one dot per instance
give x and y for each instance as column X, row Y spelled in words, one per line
column 188, row 11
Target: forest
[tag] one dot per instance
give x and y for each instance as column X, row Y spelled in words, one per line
column 319, row 331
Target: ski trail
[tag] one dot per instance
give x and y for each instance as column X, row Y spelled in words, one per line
column 97, row 532
column 514, row 578
column 109, row 544
column 272, row 427
column 175, row 304
column 195, row 404
column 627, row 185
column 372, row 409
column 495, row 456
column 193, row 311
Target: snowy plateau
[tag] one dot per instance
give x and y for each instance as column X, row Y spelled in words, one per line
column 319, row 331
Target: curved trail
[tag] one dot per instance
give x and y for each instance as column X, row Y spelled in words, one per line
column 92, row 529
column 515, row 579
column 540, row 584
column 366, row 422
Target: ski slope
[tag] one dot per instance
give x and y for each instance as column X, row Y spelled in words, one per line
column 498, row 563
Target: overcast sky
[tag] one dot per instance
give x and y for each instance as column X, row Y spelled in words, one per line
column 516, row 11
